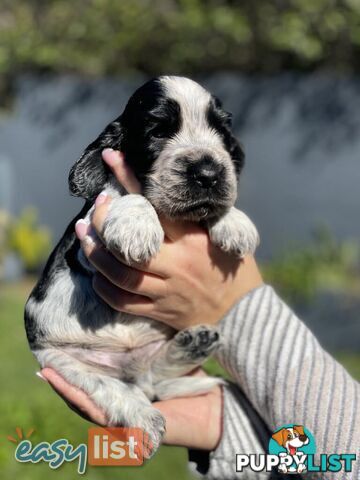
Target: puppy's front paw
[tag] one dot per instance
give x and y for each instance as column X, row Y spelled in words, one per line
column 234, row 233
column 132, row 228
column 197, row 342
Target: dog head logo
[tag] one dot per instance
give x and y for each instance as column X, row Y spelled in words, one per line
column 291, row 438
column 292, row 445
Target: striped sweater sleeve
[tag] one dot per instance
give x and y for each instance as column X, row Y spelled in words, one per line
column 287, row 378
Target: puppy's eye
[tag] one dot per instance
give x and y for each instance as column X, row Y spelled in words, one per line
column 289, row 437
column 159, row 132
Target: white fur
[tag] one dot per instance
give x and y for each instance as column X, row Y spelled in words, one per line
column 124, row 404
column 132, row 228
column 234, row 233
column 195, row 139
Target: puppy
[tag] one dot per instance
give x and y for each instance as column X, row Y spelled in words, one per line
column 178, row 141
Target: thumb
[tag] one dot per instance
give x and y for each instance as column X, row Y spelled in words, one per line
column 116, row 161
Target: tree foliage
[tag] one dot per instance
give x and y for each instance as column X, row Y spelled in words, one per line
column 106, row 37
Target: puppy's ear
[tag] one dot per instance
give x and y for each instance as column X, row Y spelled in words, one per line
column 279, row 437
column 89, row 175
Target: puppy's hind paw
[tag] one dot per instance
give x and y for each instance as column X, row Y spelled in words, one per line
column 153, row 426
column 197, row 342
column 139, row 415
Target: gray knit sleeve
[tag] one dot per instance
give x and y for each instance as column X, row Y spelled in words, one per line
column 243, row 432
column 286, row 378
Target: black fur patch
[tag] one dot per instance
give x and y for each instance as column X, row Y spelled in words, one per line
column 89, row 174
column 149, row 119
column 220, row 120
column 64, row 256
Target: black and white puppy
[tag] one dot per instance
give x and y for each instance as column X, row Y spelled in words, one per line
column 178, row 141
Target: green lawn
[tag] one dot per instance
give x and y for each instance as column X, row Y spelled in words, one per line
column 27, row 402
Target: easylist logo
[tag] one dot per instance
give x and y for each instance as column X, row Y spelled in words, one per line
column 106, row 447
column 115, row 446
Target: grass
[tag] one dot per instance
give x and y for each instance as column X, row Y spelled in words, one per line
column 29, row 403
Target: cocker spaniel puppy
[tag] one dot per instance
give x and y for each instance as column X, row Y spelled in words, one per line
column 178, row 141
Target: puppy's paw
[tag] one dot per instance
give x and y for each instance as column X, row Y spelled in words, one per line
column 132, row 412
column 197, row 342
column 153, row 425
column 132, row 229
column 234, row 233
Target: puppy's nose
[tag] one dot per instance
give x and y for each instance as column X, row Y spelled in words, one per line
column 206, row 172
column 303, row 438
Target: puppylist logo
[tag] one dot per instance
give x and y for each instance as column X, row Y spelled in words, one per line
column 105, row 447
column 292, row 450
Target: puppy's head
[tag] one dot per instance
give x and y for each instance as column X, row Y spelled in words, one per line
column 178, row 141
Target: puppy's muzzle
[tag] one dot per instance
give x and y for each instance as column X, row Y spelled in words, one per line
column 205, row 172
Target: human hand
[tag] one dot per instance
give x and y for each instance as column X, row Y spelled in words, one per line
column 189, row 282
column 193, row 422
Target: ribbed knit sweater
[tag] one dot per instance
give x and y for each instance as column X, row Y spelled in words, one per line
column 281, row 376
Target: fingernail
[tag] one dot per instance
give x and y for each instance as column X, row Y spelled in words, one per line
column 81, row 228
column 38, row 374
column 108, row 150
column 100, row 199
column 91, row 238
column 112, row 157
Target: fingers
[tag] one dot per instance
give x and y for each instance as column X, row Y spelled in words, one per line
column 122, row 300
column 77, row 399
column 115, row 160
column 116, row 272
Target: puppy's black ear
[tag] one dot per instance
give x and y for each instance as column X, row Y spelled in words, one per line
column 89, row 175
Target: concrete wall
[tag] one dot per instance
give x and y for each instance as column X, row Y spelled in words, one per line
column 300, row 136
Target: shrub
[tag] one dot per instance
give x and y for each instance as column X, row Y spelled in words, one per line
column 29, row 240
column 326, row 263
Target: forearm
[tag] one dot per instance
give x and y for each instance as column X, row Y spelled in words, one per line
column 286, row 375
column 243, row 431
